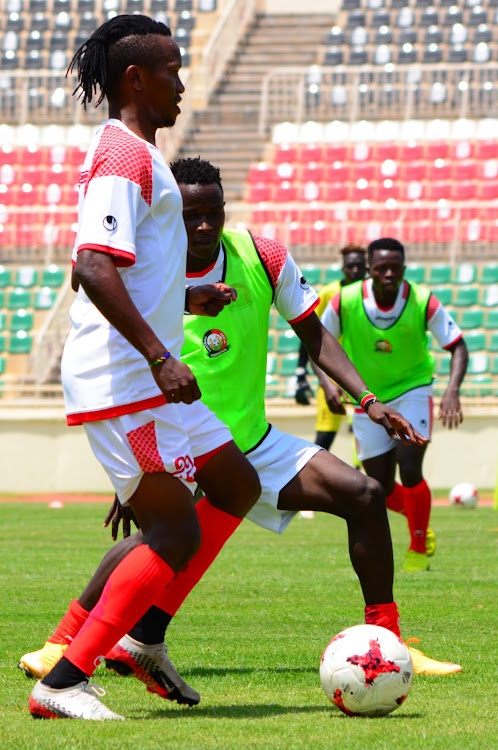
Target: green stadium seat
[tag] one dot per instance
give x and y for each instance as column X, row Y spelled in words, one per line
column 465, row 273
column 53, row 276
column 466, row 296
column 493, row 368
column 272, row 389
column 2, row 298
column 444, row 294
column 287, row 365
column 490, row 296
column 478, row 386
column 2, row 365
column 18, row 298
column 21, row 320
column 332, row 273
column 3, row 340
column 439, row 273
column 471, row 319
column 44, row 298
column 491, row 320
column 443, row 364
column 312, row 274
column 281, row 324
column 26, row 277
column 287, row 342
column 478, row 363
column 476, row 342
column 489, row 273
column 492, row 345
column 416, row 273
column 20, row 343
column 271, row 364
column 271, row 342
column 3, row 320
column 5, row 276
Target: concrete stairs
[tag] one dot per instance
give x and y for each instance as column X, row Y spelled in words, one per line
column 226, row 133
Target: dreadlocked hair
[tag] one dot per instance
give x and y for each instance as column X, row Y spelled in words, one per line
column 196, row 171
column 114, row 46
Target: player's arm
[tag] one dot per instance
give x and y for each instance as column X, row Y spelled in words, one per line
column 450, row 408
column 325, row 351
column 99, row 277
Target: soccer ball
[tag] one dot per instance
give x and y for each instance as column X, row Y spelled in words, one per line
column 366, row 671
column 464, row 495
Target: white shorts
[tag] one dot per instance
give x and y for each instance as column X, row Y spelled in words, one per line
column 372, row 440
column 277, row 460
column 166, row 438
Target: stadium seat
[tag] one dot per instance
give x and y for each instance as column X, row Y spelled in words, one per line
column 332, row 273
column 471, row 319
column 5, row 277
column 20, row 343
column 2, row 365
column 415, row 273
column 489, row 274
column 312, row 274
column 18, row 298
column 287, row 343
column 53, row 276
column 492, row 344
column 478, row 363
column 26, row 277
column 272, row 389
column 490, row 296
column 443, row 364
column 287, row 364
column 466, row 296
column 439, row 274
column 21, row 320
column 3, row 342
column 444, row 294
column 475, row 341
column 465, row 273
column 491, row 320
column 44, row 298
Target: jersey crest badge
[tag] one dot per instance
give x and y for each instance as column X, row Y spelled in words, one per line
column 383, row 346
column 215, row 342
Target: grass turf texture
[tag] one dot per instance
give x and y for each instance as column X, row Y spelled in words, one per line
column 251, row 635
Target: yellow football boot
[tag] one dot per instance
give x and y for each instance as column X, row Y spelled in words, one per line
column 423, row 664
column 38, row 664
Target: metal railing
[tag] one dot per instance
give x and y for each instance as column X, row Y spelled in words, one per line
column 398, row 92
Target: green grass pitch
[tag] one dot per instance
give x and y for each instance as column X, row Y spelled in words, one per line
column 251, row 635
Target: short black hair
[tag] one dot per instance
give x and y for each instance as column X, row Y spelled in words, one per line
column 118, row 43
column 385, row 243
column 196, row 171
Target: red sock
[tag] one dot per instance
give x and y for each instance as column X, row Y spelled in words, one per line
column 383, row 615
column 395, row 501
column 127, row 595
column 418, row 510
column 216, row 528
column 70, row 624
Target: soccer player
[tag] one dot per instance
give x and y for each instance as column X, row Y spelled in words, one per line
column 229, row 359
column 121, row 372
column 354, row 267
column 383, row 322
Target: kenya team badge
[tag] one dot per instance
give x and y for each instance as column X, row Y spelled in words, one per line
column 215, row 342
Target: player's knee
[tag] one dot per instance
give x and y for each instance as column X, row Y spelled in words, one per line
column 371, row 496
column 410, row 475
column 176, row 546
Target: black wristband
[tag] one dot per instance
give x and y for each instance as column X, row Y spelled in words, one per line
column 187, row 294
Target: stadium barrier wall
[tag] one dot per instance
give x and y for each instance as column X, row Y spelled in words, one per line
column 60, row 459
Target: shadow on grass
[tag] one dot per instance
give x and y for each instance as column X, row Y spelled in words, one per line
column 261, row 711
column 226, row 671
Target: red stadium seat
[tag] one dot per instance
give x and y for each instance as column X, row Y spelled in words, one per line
column 472, row 231
column 415, row 170
column 260, row 192
column 336, row 191
column 363, row 190
column 310, row 191
column 444, row 231
column 313, row 172
column 385, row 190
column 440, row 169
column 285, row 153
column 437, row 150
column 335, row 152
column 488, row 169
column 466, row 169
column 285, row 191
column 285, row 171
column 338, row 171
column 32, row 155
column 365, row 170
column 419, row 232
column 361, row 152
column 310, row 152
column 491, row 231
column 487, row 149
column 439, row 190
column 413, row 190
column 488, row 191
column 261, row 173
column 383, row 151
column 462, row 150
column 412, row 151
column 320, row 234
column 297, row 234
column 466, row 190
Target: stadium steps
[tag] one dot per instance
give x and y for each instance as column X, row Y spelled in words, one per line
column 226, row 133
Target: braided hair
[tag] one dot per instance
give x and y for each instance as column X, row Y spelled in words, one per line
column 118, row 43
column 196, row 172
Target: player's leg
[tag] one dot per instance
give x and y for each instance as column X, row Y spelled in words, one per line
column 327, row 423
column 417, row 504
column 324, row 439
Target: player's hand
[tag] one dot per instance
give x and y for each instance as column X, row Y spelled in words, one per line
column 116, row 514
column 210, row 299
column 395, row 424
column 303, row 391
column 176, row 381
column 333, row 397
column 450, row 410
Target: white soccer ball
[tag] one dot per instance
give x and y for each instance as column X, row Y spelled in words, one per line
column 366, row 671
column 464, row 495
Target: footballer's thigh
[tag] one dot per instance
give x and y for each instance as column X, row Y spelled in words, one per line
column 229, row 481
column 329, row 485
